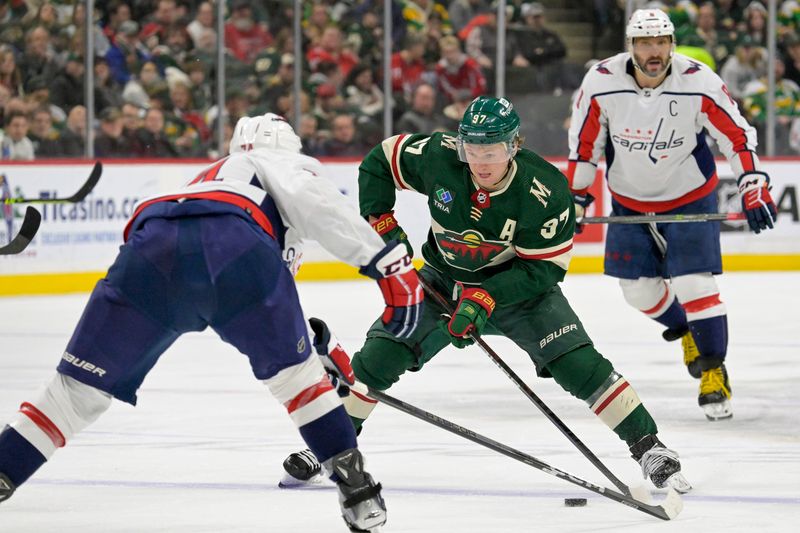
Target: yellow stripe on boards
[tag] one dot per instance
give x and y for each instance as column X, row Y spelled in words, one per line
column 63, row 283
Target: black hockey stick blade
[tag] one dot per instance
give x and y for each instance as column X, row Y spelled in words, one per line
column 660, row 219
column 431, row 291
column 30, row 225
column 667, row 510
column 82, row 193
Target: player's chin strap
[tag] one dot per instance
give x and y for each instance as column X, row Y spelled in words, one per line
column 497, row 360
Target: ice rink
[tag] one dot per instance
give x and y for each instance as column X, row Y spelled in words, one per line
column 202, row 451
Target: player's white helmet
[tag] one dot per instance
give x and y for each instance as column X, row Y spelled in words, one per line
column 649, row 23
column 265, row 132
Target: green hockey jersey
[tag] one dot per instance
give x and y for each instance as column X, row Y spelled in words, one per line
column 515, row 242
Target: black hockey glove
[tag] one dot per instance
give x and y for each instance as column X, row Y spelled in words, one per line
column 333, row 357
column 582, row 201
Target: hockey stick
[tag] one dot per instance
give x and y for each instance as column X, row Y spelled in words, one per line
column 30, row 225
column 82, row 193
column 644, row 219
column 669, row 509
column 530, row 394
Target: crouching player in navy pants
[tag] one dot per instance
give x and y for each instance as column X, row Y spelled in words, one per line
column 209, row 254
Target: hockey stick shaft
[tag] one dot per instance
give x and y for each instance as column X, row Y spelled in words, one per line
column 645, row 219
column 30, row 225
column 507, row 370
column 668, row 511
column 82, row 193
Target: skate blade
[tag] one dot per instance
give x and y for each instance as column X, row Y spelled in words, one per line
column 317, row 482
column 678, row 482
column 718, row 411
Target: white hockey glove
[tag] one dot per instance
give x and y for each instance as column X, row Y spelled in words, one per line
column 333, row 357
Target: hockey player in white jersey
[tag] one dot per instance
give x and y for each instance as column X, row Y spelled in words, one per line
column 209, row 254
column 648, row 110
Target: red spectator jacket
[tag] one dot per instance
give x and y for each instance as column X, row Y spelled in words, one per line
column 467, row 76
column 246, row 45
column 405, row 75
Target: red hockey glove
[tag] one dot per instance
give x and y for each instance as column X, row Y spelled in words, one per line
column 757, row 203
column 333, row 357
column 474, row 308
column 400, row 286
column 389, row 230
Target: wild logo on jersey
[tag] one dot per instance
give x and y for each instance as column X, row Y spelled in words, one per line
column 468, row 250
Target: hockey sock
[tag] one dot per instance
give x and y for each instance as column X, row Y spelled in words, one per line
column 711, row 336
column 19, row 459
column 673, row 318
column 329, row 434
column 589, row 376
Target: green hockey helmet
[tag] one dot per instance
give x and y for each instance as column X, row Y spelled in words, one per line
column 488, row 121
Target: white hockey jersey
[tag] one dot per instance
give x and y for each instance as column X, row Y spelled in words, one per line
column 654, row 140
column 288, row 197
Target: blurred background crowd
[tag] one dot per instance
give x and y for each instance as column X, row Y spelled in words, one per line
column 155, row 69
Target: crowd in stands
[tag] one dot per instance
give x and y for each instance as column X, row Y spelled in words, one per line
column 155, row 80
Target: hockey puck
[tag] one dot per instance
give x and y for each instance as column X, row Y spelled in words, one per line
column 575, row 502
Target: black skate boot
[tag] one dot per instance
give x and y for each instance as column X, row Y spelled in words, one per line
column 6, row 487
column 715, row 393
column 363, row 508
column 660, row 464
column 690, row 351
column 301, row 469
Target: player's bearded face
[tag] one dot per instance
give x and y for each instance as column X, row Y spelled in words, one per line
column 487, row 163
column 652, row 54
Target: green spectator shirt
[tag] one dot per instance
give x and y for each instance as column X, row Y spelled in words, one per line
column 515, row 242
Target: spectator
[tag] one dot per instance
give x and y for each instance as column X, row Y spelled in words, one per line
column 66, row 90
column 38, row 57
column 154, row 32
column 73, row 137
column 787, row 105
column 422, row 116
column 729, row 15
column 118, row 12
column 330, row 49
column 748, row 63
column 39, row 96
column 44, row 137
column 463, row 11
column 755, row 22
column 44, row 15
column 76, row 32
column 343, row 141
column 541, row 48
column 151, row 137
column 408, row 66
column 318, row 19
column 456, row 71
column 243, row 36
column 201, row 29
column 127, row 53
column 184, row 109
column 107, row 92
column 200, row 87
column 417, row 12
column 328, row 104
column 792, row 43
column 362, row 93
column 309, row 135
column 481, row 43
column 15, row 145
column 131, row 122
column 10, row 74
column 280, row 83
column 148, row 88
column 719, row 44
column 453, row 113
column 110, row 142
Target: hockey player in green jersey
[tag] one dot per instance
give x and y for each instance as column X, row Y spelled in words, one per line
column 502, row 223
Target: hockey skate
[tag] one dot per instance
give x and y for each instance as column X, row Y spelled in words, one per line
column 6, row 487
column 660, row 464
column 363, row 508
column 302, row 470
column 690, row 351
column 715, row 394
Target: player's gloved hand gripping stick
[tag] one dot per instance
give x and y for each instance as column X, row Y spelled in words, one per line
column 398, row 280
column 473, row 310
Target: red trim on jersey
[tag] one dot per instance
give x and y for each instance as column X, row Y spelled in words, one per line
column 667, row 205
column 362, row 397
column 220, row 196
column 309, row 394
column 45, row 424
column 725, row 124
column 547, row 255
column 661, row 302
column 589, row 132
column 748, row 165
column 613, row 395
column 396, row 161
column 701, row 304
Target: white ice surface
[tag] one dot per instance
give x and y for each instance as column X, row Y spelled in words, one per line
column 202, row 451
